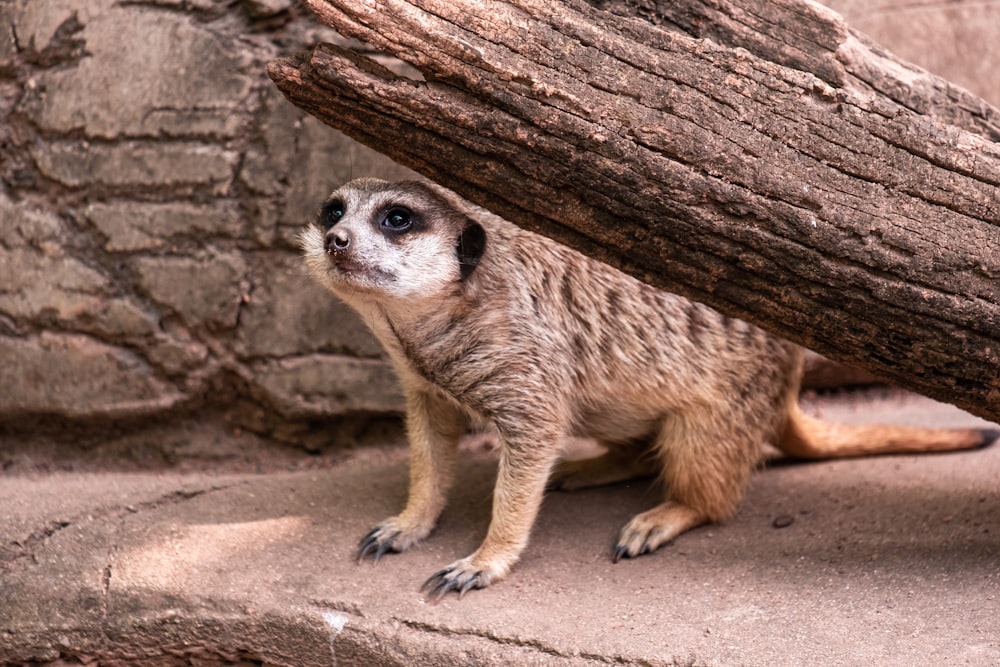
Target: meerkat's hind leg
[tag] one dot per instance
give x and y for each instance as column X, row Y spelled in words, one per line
column 705, row 465
column 620, row 463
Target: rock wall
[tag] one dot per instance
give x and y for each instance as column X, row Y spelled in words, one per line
column 151, row 186
column 152, row 181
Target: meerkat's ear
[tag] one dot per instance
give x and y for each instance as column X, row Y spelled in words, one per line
column 470, row 247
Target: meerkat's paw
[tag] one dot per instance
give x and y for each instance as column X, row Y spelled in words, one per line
column 608, row 468
column 573, row 475
column 390, row 536
column 462, row 576
column 652, row 529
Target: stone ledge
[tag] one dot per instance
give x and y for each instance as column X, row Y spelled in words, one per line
column 75, row 376
column 888, row 561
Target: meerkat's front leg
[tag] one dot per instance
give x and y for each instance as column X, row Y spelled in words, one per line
column 521, row 479
column 434, row 427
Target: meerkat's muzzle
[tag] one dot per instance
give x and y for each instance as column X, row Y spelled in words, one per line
column 337, row 241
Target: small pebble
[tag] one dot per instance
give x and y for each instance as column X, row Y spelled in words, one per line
column 783, row 521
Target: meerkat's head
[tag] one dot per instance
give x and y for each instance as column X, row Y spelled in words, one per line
column 397, row 241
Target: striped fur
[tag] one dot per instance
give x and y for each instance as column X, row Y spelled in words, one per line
column 543, row 342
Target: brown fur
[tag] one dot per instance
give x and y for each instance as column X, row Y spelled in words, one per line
column 543, row 342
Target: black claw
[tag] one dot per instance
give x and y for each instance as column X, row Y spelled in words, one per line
column 367, row 538
column 438, row 593
column 473, row 582
column 383, row 547
column 437, row 586
column 437, row 577
column 620, row 552
column 446, row 581
column 376, row 545
column 364, row 549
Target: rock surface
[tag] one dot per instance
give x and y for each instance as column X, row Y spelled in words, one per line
column 148, row 211
column 151, row 187
column 884, row 561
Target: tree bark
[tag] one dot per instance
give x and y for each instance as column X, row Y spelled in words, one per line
column 780, row 169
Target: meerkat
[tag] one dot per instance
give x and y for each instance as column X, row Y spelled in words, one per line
column 484, row 320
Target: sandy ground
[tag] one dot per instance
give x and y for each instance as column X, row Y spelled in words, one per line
column 880, row 561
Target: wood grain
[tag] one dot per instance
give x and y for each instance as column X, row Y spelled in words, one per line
column 778, row 168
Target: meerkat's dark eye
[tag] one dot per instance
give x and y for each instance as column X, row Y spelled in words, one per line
column 398, row 219
column 332, row 212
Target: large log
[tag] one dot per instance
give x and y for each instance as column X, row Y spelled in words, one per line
column 782, row 170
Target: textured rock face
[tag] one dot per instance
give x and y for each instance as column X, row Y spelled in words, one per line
column 152, row 182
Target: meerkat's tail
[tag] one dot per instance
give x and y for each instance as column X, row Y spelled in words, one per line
column 810, row 438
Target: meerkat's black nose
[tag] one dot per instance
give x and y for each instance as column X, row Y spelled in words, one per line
column 337, row 240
